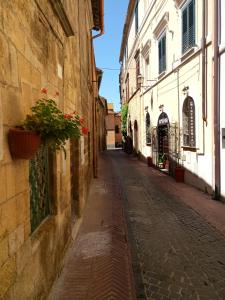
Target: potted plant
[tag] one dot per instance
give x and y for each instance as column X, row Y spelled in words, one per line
column 162, row 160
column 47, row 124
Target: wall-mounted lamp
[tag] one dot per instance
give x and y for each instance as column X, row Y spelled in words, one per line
column 161, row 107
column 140, row 81
column 185, row 90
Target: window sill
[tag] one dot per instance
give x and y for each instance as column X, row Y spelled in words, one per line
column 188, row 148
column 161, row 75
column 188, row 53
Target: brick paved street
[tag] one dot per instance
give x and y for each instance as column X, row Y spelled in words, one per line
column 98, row 264
column 177, row 253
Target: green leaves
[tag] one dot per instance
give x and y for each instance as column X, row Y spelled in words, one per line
column 51, row 123
column 124, row 112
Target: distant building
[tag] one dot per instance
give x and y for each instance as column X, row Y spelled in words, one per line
column 113, row 128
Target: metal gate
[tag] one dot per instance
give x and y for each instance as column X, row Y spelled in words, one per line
column 39, row 187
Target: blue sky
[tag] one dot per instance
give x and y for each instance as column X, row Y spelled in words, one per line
column 107, row 49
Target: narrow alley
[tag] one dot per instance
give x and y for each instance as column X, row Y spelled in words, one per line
column 177, row 247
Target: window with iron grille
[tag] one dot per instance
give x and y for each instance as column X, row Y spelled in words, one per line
column 162, row 53
column 188, row 26
column 189, row 122
column 147, row 129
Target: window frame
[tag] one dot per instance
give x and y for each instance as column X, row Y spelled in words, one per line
column 148, row 129
column 190, row 43
column 162, row 57
column 189, row 117
column 137, row 67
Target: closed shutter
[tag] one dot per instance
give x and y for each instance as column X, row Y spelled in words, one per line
column 191, row 21
column 162, row 54
column 188, row 26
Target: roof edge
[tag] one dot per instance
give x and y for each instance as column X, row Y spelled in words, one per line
column 126, row 27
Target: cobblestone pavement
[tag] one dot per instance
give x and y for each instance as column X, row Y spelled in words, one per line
column 176, row 253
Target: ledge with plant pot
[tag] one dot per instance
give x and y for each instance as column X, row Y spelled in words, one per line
column 45, row 125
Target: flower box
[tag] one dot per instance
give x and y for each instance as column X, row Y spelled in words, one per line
column 23, row 144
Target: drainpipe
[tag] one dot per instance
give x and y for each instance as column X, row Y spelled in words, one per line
column 216, row 103
column 102, row 20
column 204, row 81
column 204, row 75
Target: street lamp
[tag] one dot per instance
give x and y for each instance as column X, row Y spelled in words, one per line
column 140, row 81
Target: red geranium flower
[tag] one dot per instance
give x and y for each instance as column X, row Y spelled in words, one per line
column 44, row 91
column 68, row 116
column 84, row 130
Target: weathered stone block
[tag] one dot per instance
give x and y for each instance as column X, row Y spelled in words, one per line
column 23, row 207
column 2, row 185
column 23, row 256
column 24, row 69
column 36, row 78
column 22, row 176
column 7, row 275
column 10, row 23
column 13, row 66
column 11, row 106
column 8, row 220
column 4, row 251
column 10, row 180
column 16, row 239
column 4, row 60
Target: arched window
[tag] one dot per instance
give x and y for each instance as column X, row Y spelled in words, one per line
column 189, row 122
column 147, row 129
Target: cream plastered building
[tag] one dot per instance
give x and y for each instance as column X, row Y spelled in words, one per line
column 167, row 80
column 221, row 112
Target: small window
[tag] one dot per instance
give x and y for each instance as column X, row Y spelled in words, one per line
column 117, row 130
column 127, row 88
column 188, row 26
column 147, row 129
column 189, row 123
column 137, row 60
column 162, row 53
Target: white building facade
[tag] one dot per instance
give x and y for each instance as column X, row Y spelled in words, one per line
column 167, row 80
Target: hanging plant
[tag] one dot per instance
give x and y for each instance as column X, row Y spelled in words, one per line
column 50, row 124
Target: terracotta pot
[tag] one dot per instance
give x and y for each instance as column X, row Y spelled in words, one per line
column 23, row 144
column 179, row 174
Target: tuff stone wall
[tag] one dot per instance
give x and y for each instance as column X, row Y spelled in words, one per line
column 35, row 52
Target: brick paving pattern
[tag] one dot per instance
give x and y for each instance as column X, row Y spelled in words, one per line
column 98, row 265
column 176, row 234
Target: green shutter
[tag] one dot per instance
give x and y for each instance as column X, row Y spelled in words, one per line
column 188, row 26
column 162, row 53
column 191, row 21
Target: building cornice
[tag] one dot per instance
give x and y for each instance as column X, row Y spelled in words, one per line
column 126, row 27
column 61, row 14
column 161, row 25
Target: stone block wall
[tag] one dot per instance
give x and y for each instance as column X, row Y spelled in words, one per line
column 36, row 51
